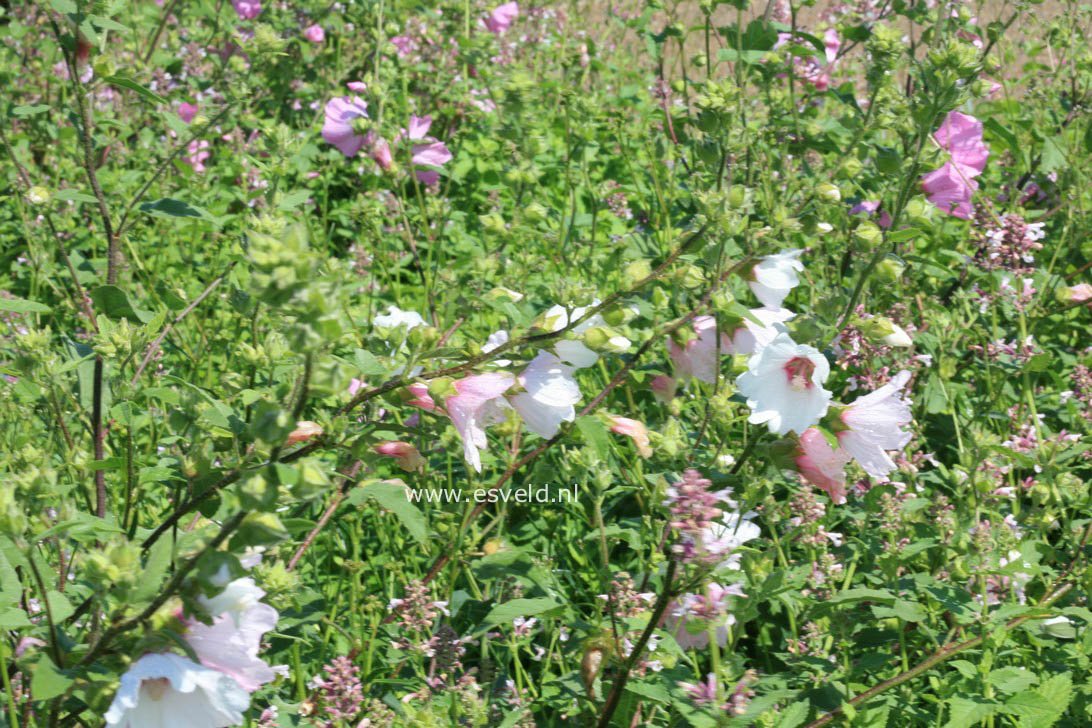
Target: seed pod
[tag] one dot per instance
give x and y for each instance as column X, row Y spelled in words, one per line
column 589, row 668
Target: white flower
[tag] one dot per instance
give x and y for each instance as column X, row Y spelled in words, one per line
column 163, row 690
column 775, row 276
column 572, row 351
column 751, row 337
column 396, row 317
column 783, row 386
column 496, row 339
column 898, row 337
column 233, row 648
column 875, row 423
column 723, row 537
column 237, row 597
column 550, row 396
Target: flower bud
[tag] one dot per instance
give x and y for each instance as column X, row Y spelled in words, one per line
column 441, row 387
column 305, row 430
column 1074, row 294
column 828, row 192
column 39, row 196
column 536, row 212
column 889, row 270
column 885, row 331
column 635, row 272
column 851, row 168
column 868, row 234
column 604, row 339
column 737, row 196
column 494, row 223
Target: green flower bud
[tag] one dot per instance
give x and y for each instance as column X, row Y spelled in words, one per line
column 536, row 212
column 738, row 196
column 39, row 195
column 885, row 331
column 605, row 339
column 441, row 388
column 635, row 272
column 889, row 270
column 851, row 167
column 868, row 234
column 494, row 223
column 828, row 192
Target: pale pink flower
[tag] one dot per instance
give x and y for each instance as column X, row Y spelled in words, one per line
column 159, row 688
column 875, row 424
column 690, row 618
column 338, row 128
column 751, row 336
column 502, row 17
column 1076, row 294
column 358, row 86
column 233, row 649
column 314, row 33
column 381, row 153
column 702, row 693
column 409, row 459
column 247, row 9
column 783, row 385
column 698, row 357
column 197, row 153
column 774, row 276
column 422, row 398
column 632, row 429
column 187, row 111
column 305, row 430
column 551, row 392
column 474, row 407
column 817, row 76
column 432, row 153
column 663, row 388
column 404, row 45
column 821, row 465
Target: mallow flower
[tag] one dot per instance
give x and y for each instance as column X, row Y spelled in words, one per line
column 951, row 187
column 549, row 396
column 164, row 690
column 783, row 385
column 247, row 9
column 395, row 317
column 774, row 276
column 690, row 618
column 432, row 153
column 314, row 33
column 698, row 356
column 575, row 351
column 233, row 648
column 874, row 425
column 634, row 430
column 235, row 600
column 821, row 465
column 502, row 17
column 338, row 127
column 473, row 406
column 408, row 457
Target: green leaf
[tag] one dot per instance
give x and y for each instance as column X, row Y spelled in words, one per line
column 794, row 715
column 108, row 24
column 115, row 303
column 505, row 613
column 47, row 681
column 652, row 691
column 595, row 433
column 908, row 611
column 965, row 713
column 394, row 498
column 293, row 199
column 123, row 82
column 10, row 588
column 368, row 364
column 59, row 606
column 900, row 235
column 1057, row 689
column 748, row 57
column 1012, row 679
column 64, row 7
column 29, row 110
column 21, row 305
column 159, row 560
column 73, row 195
column 175, row 208
column 1034, row 710
column 862, row 595
column 13, row 618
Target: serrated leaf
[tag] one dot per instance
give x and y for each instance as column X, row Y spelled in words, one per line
column 1012, row 679
column 1057, row 689
column 21, row 305
column 132, row 85
column 368, row 364
column 159, row 560
column 63, row 6
column 1035, row 711
column 651, row 691
column 794, row 715
column 595, row 433
column 505, row 613
column 394, row 498
column 965, row 713
column 293, row 199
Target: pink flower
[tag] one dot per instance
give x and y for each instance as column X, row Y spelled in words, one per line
column 698, row 357
column 870, row 206
column 247, row 9
column 233, row 650
column 473, row 407
column 338, row 129
column 197, row 153
column 961, row 135
column 1076, row 294
column 502, row 17
column 187, row 111
column 690, row 618
column 663, row 388
column 381, row 153
column 358, row 86
column 355, row 385
column 821, row 465
column 875, row 424
column 421, row 397
column 810, row 70
column 702, row 693
column 404, row 45
column 314, row 33
column 633, row 429
column 305, row 430
column 409, row 459
column 432, row 154
column 950, row 188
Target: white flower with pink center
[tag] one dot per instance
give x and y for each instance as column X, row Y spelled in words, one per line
column 164, row 690
column 875, row 424
column 774, row 276
column 233, row 649
column 551, row 392
column 783, row 386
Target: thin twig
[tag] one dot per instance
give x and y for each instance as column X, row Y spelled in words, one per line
column 334, row 503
